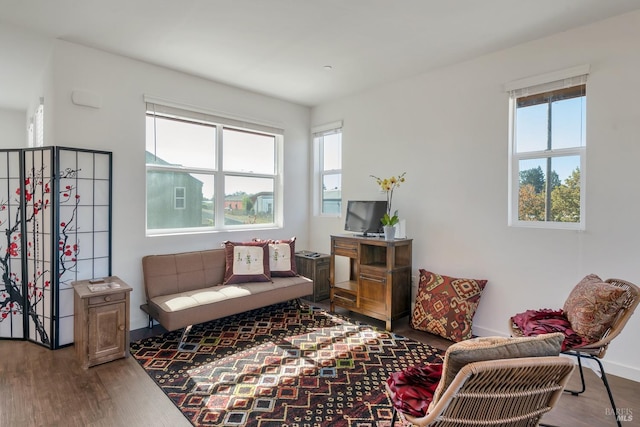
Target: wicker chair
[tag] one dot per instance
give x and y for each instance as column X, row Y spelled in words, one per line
column 597, row 350
column 503, row 392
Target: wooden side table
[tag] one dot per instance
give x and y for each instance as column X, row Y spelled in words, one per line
column 315, row 266
column 101, row 322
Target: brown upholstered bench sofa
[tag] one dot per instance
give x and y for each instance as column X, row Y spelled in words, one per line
column 186, row 288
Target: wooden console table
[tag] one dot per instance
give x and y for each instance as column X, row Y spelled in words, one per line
column 101, row 321
column 379, row 282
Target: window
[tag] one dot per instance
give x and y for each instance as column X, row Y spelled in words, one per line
column 547, row 151
column 35, row 129
column 206, row 172
column 179, row 198
column 327, row 141
column 30, row 134
column 39, row 125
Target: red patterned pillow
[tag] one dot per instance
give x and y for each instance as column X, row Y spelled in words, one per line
column 246, row 262
column 592, row 305
column 445, row 305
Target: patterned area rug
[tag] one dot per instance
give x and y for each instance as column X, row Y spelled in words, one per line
column 281, row 366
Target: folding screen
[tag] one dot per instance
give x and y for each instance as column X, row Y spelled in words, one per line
column 55, row 219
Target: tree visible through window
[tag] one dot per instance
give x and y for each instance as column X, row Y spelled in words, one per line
column 547, row 154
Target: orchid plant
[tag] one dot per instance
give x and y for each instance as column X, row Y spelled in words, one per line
column 388, row 185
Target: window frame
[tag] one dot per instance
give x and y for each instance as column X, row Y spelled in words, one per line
column 318, row 133
column 537, row 85
column 177, row 198
column 35, row 127
column 38, row 131
column 189, row 114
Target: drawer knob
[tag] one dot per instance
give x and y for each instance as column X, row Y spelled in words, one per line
column 107, row 299
column 121, row 327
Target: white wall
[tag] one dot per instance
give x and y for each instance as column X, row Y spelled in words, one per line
column 24, row 56
column 13, row 128
column 448, row 130
column 119, row 126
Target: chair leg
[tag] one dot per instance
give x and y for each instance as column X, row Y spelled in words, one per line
column 606, row 384
column 394, row 417
column 185, row 346
column 584, row 387
column 604, row 381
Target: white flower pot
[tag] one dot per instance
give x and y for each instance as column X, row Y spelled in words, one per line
column 389, row 232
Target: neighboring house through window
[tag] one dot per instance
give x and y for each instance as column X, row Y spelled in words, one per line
column 547, row 150
column 206, row 172
column 327, row 145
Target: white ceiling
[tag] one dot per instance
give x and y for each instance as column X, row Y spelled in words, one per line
column 280, row 47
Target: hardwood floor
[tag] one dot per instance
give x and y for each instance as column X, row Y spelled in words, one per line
column 40, row 387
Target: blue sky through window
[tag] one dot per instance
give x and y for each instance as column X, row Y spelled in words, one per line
column 568, row 131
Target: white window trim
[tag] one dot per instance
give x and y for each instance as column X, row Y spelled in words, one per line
column 529, row 86
column 39, row 125
column 514, row 173
column 35, row 128
column 318, row 167
column 541, row 80
column 30, row 133
column 221, row 121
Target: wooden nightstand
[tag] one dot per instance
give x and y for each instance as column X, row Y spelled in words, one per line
column 101, row 323
column 315, row 266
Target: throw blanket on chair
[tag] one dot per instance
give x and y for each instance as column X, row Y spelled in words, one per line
column 413, row 388
column 546, row 321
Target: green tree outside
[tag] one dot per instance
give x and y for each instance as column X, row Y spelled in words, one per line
column 533, row 177
column 565, row 197
column 530, row 204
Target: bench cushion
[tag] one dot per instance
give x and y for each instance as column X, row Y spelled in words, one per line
column 181, row 309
